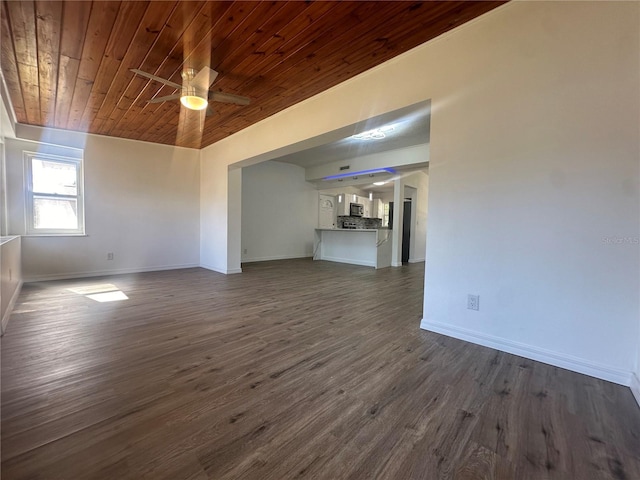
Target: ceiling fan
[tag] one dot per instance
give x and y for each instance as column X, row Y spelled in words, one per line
column 194, row 91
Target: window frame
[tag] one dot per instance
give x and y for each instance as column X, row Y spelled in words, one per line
column 30, row 195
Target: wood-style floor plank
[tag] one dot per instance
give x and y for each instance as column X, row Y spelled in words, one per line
column 294, row 369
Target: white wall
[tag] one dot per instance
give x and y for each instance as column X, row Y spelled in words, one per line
column 534, row 165
column 279, row 212
column 534, row 162
column 141, row 203
column 10, row 278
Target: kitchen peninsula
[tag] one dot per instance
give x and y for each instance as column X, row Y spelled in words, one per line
column 370, row 247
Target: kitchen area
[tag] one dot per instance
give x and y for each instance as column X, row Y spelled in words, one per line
column 357, row 199
column 353, row 229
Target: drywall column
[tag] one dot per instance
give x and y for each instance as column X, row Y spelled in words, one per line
column 234, row 220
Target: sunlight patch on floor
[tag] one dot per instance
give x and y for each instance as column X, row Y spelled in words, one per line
column 104, row 292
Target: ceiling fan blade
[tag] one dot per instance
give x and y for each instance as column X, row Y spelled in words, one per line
column 153, row 77
column 163, row 99
column 228, row 98
column 204, row 78
column 209, row 111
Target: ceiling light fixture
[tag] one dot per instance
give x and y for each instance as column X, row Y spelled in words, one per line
column 370, row 195
column 375, row 134
column 192, row 101
column 379, row 183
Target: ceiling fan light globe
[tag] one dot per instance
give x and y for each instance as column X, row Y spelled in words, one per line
column 194, row 102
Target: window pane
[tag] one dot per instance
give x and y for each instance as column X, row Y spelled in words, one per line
column 54, row 177
column 55, row 213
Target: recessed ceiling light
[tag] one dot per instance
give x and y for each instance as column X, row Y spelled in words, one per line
column 378, row 183
column 375, row 134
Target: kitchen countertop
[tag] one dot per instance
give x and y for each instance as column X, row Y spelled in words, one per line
column 352, row 229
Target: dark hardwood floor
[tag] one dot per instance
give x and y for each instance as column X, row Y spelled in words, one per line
column 294, row 369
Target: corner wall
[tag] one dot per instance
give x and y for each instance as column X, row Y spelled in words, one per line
column 141, row 203
column 10, row 278
column 279, row 212
column 534, row 176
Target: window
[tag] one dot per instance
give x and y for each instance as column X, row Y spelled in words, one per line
column 54, row 203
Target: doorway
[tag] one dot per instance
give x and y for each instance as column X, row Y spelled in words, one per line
column 406, row 231
column 406, row 228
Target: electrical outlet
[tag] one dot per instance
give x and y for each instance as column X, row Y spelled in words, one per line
column 110, row 256
column 473, row 302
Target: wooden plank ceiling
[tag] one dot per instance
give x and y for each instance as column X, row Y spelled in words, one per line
column 66, row 64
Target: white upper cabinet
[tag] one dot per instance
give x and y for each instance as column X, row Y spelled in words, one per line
column 377, row 208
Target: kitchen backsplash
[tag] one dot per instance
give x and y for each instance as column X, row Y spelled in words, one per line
column 359, row 222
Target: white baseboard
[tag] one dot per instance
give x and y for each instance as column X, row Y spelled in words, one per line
column 104, row 273
column 276, row 257
column 220, row 270
column 556, row 359
column 635, row 387
column 12, row 303
column 416, row 260
column 396, row 264
column 362, row 263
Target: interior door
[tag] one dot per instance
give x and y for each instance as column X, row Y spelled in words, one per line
column 406, row 231
column 327, row 211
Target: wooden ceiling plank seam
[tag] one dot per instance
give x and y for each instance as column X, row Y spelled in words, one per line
column 120, row 38
column 146, row 35
column 342, row 32
column 220, row 85
column 172, row 67
column 150, row 59
column 399, row 41
column 170, row 35
column 307, row 52
column 287, row 33
column 9, row 65
column 363, row 47
column 323, row 26
column 235, row 15
column 201, row 24
column 150, row 112
column 252, row 22
column 75, row 21
column 48, row 22
column 320, row 28
column 22, row 20
column 276, row 53
column 310, row 72
column 103, row 16
column 199, row 28
column 254, row 25
column 299, row 96
column 208, row 46
column 401, row 28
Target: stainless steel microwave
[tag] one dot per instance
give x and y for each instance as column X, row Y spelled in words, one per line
column 356, row 210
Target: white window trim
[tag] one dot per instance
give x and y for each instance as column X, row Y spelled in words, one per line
column 29, row 194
